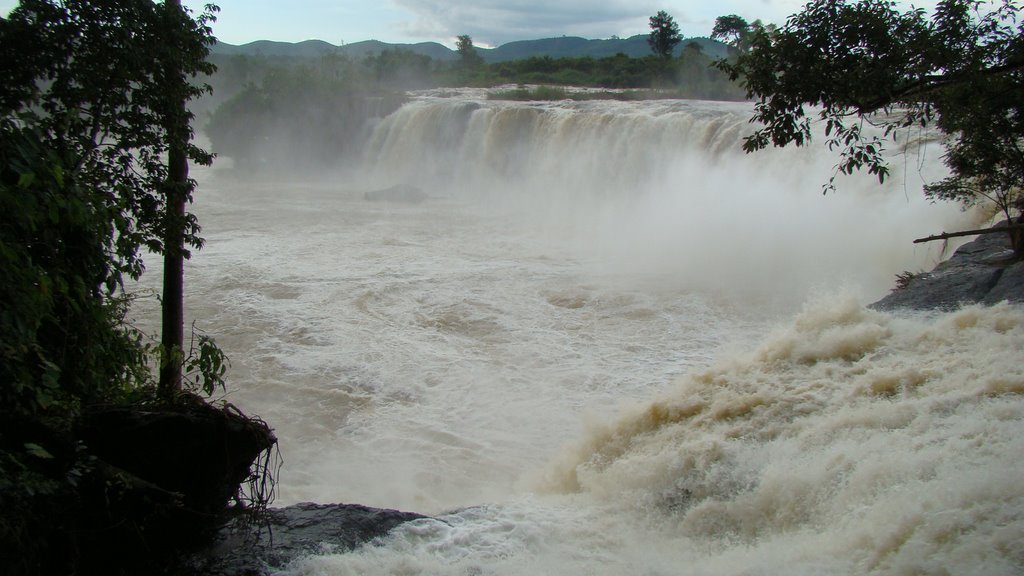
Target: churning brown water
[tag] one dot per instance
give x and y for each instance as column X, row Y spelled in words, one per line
column 611, row 343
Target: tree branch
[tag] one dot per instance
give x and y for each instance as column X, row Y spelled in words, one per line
column 931, row 82
column 948, row 235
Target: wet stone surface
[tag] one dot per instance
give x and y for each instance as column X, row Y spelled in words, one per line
column 983, row 271
column 291, row 532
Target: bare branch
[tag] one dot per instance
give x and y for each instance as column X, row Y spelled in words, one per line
column 948, row 235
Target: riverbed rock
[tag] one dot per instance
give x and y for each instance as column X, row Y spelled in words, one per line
column 290, row 532
column 403, row 193
column 983, row 271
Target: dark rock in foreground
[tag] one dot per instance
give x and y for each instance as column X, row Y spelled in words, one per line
column 291, row 532
column 983, row 271
column 197, row 451
column 158, row 478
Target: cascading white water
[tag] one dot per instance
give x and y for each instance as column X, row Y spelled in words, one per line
column 552, row 354
column 664, row 187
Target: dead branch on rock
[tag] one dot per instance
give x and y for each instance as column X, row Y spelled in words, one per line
column 948, row 235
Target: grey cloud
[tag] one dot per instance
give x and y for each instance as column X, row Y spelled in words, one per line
column 497, row 22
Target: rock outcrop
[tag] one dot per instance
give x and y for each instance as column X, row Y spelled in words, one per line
column 200, row 452
column 158, row 478
column 983, row 271
column 291, row 532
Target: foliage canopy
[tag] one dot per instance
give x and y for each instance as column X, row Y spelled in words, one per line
column 737, row 33
column 91, row 97
column 468, row 56
column 730, row 29
column 854, row 64
column 95, row 72
column 664, row 35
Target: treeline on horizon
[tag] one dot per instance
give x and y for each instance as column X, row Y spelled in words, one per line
column 305, row 112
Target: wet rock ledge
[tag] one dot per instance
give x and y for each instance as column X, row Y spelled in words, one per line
column 283, row 534
column 156, row 499
column 983, row 271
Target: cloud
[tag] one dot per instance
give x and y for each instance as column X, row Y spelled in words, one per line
column 495, row 22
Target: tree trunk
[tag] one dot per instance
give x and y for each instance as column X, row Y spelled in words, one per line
column 1017, row 236
column 173, row 302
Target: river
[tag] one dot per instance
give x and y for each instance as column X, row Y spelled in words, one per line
column 610, row 342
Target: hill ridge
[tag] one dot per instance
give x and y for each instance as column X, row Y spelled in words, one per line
column 557, row 47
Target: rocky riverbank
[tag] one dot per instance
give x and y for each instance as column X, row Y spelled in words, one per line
column 983, row 271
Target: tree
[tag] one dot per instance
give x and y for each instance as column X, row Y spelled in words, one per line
column 62, row 344
column 851, row 65
column 173, row 80
column 94, row 144
column 664, row 35
column 469, row 57
column 184, row 47
column 112, row 78
column 984, row 109
column 730, row 29
column 736, row 32
column 103, row 85
column 62, row 341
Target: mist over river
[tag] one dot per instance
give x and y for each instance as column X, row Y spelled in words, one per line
column 610, row 342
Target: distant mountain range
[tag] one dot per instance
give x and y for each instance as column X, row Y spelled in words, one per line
column 564, row 47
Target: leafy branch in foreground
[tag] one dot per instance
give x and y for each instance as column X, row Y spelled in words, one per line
column 851, row 65
column 92, row 125
column 205, row 365
column 108, row 82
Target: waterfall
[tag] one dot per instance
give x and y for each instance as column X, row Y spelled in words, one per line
column 665, row 187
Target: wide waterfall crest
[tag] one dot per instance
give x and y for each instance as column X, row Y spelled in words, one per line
column 664, row 186
column 565, row 145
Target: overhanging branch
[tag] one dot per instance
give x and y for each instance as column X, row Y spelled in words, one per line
column 926, row 84
column 948, row 235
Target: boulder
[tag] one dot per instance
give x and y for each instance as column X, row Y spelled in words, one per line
column 983, row 271
column 287, row 533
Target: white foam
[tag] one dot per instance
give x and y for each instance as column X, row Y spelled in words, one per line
column 896, row 453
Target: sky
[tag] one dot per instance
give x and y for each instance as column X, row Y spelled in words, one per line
column 489, row 22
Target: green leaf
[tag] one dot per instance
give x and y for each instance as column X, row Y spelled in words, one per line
column 58, row 174
column 26, row 179
column 37, row 451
